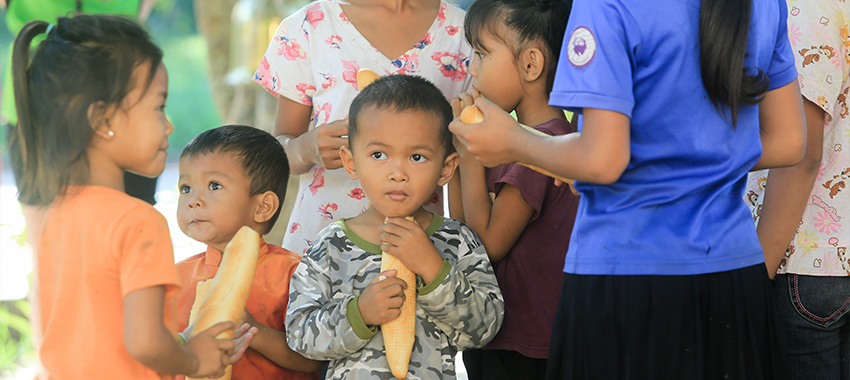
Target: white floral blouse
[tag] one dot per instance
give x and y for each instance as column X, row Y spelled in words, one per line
column 313, row 59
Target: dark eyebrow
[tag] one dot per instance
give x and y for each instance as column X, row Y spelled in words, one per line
column 424, row 147
column 213, row 172
column 376, row 143
column 216, row 172
column 418, row 147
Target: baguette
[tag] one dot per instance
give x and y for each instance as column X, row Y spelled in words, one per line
column 365, row 77
column 400, row 333
column 472, row 115
column 223, row 298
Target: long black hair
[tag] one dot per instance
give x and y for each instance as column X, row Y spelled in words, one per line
column 723, row 29
column 84, row 60
column 527, row 21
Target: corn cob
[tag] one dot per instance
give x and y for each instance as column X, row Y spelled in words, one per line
column 400, row 333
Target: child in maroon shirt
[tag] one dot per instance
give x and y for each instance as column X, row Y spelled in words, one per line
column 521, row 216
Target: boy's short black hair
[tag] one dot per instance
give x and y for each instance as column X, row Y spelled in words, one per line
column 261, row 155
column 401, row 93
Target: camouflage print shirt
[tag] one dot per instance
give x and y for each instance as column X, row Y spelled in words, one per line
column 462, row 308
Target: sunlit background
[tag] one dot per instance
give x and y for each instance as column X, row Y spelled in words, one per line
column 203, row 93
column 176, row 25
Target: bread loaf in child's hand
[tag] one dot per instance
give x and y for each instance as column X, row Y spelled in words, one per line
column 223, row 298
column 365, row 77
column 472, row 115
column 400, row 333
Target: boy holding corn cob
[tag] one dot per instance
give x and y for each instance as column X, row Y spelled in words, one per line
column 400, row 150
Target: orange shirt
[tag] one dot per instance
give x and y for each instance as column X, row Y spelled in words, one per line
column 267, row 303
column 97, row 245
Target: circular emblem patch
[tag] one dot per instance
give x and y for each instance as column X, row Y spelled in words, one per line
column 582, row 47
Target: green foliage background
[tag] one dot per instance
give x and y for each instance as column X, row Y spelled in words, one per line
column 190, row 105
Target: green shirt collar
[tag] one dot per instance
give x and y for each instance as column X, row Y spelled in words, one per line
column 436, row 222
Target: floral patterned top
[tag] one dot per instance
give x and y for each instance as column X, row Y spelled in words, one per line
column 818, row 31
column 313, row 59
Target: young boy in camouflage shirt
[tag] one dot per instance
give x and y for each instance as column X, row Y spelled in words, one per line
column 400, row 150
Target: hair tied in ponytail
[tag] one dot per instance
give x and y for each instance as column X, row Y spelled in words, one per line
column 94, row 63
column 543, row 5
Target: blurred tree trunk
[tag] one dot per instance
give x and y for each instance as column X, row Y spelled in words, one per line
column 237, row 34
column 213, row 20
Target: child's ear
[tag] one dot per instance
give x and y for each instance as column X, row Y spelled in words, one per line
column 448, row 169
column 533, row 62
column 348, row 162
column 267, row 205
column 98, row 115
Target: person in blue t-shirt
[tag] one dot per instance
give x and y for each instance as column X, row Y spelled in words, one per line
column 679, row 99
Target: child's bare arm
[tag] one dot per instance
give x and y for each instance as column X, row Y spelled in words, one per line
column 498, row 223
column 455, row 198
column 598, row 154
column 783, row 127
column 305, row 146
column 787, row 193
column 455, row 183
column 271, row 343
column 149, row 341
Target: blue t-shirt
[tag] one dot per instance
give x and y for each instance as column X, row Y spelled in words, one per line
column 678, row 207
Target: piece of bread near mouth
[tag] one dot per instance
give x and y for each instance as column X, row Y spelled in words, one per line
column 472, row 115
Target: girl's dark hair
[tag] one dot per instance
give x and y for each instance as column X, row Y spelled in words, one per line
column 84, row 60
column 527, row 20
column 723, row 29
column 262, row 157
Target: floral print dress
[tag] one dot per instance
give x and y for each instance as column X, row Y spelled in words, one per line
column 313, row 59
column 820, row 37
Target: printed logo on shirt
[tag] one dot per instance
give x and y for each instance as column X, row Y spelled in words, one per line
column 582, row 47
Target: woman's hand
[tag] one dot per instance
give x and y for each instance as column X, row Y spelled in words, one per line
column 321, row 144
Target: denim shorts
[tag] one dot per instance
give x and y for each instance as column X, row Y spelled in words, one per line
column 812, row 313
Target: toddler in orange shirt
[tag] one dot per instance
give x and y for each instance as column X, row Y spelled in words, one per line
column 235, row 176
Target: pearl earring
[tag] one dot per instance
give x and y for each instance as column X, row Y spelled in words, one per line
column 110, row 133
